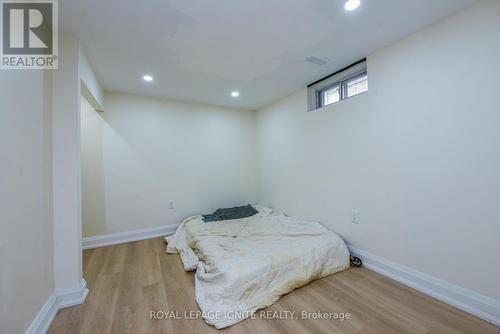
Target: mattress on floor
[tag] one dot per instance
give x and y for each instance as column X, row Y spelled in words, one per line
column 243, row 265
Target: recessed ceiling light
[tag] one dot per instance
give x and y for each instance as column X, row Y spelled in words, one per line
column 147, row 78
column 352, row 4
column 235, row 94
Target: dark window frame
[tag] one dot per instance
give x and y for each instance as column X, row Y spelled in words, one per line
column 340, row 78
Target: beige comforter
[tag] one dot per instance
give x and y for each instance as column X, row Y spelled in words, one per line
column 243, row 265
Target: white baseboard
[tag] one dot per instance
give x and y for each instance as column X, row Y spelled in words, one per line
column 467, row 300
column 128, row 236
column 59, row 299
column 72, row 296
column 44, row 318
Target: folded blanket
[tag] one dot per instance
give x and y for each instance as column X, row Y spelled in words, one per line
column 230, row 213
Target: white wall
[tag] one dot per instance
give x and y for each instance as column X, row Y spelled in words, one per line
column 66, row 167
column 93, row 195
column 26, row 263
column 40, row 198
column 418, row 154
column 91, row 88
column 142, row 152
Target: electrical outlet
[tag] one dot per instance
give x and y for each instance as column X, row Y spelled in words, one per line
column 355, row 216
column 171, row 205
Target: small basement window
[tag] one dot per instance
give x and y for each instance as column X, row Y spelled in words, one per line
column 349, row 81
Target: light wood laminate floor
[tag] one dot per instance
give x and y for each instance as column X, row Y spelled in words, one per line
column 127, row 281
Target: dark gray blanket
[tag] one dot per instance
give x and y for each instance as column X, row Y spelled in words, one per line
column 230, row 213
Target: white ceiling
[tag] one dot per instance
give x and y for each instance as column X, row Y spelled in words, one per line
column 201, row 50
